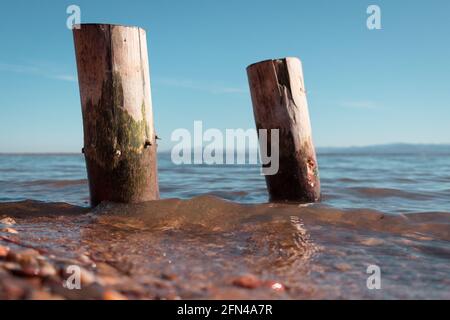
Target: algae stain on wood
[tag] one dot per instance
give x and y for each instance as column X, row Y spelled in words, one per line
column 112, row 127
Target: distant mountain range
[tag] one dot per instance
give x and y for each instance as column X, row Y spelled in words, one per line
column 394, row 148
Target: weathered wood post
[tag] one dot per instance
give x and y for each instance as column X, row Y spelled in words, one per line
column 279, row 102
column 119, row 138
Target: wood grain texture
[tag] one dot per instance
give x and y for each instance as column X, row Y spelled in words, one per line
column 119, row 138
column 279, row 102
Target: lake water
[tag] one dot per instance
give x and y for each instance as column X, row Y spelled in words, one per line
column 389, row 210
column 387, row 182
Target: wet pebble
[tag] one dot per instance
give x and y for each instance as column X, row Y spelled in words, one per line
column 46, row 269
column 29, row 263
column 27, row 256
column 12, row 289
column 86, row 260
column 21, row 270
column 248, row 281
column 9, row 230
column 87, row 277
column 113, row 295
column 4, row 251
column 343, row 267
column 44, row 295
column 275, row 286
column 109, row 280
column 26, row 271
column 162, row 285
column 372, row 242
column 7, row 221
column 168, row 276
column 9, row 266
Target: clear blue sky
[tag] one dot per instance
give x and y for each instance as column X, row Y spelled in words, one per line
column 364, row 87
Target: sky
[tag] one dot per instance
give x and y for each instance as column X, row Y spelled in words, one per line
column 364, row 86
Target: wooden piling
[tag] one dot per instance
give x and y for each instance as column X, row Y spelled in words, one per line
column 119, row 137
column 279, row 102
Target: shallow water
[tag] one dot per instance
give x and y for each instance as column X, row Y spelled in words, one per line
column 388, row 210
column 385, row 182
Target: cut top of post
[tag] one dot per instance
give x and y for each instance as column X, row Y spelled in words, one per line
column 273, row 60
column 81, row 25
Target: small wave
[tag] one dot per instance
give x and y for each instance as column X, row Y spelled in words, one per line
column 29, row 209
column 230, row 195
column 213, row 213
column 404, row 180
column 54, row 183
column 8, row 170
column 388, row 192
column 343, row 180
column 348, row 180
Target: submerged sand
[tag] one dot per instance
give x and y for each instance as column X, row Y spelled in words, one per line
column 209, row 248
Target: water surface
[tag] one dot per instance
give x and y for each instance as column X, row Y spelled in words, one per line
column 215, row 226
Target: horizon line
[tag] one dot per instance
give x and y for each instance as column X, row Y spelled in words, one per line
column 165, row 150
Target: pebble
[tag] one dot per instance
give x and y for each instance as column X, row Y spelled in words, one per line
column 168, row 276
column 19, row 270
column 12, row 289
column 105, row 268
column 29, row 263
column 46, row 269
column 44, row 295
column 25, row 257
column 4, row 251
column 372, row 242
column 113, row 295
column 10, row 266
column 87, row 277
column 275, row 286
column 8, row 221
column 9, row 230
column 161, row 285
column 27, row 271
column 343, row 267
column 86, row 260
column 248, row 281
column 108, row 280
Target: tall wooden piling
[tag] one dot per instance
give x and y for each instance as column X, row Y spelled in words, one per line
column 279, row 102
column 119, row 137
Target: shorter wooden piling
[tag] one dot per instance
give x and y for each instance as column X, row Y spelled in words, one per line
column 279, row 102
